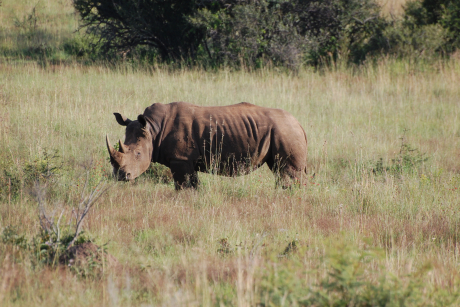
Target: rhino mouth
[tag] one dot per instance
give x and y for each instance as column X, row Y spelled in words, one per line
column 122, row 175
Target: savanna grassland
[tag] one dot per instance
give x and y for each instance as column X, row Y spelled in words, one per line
column 378, row 223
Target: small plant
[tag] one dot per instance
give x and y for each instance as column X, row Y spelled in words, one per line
column 52, row 242
column 159, row 173
column 224, row 247
column 408, row 161
column 10, row 235
column 95, row 173
column 42, row 169
column 291, row 248
column 29, row 22
column 344, row 285
column 10, row 182
column 15, row 177
column 78, row 46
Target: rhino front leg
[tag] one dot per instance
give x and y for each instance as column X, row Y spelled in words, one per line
column 184, row 174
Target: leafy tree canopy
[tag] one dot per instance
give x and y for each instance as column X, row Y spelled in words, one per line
column 288, row 33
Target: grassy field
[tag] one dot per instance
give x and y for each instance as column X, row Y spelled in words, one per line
column 37, row 29
column 377, row 225
column 382, row 208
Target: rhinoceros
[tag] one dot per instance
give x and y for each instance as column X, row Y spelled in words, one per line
column 225, row 140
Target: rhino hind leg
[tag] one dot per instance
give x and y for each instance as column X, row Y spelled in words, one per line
column 184, row 174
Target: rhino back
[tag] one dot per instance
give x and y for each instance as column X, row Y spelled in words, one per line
column 233, row 132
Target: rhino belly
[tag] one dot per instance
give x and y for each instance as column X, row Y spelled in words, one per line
column 233, row 156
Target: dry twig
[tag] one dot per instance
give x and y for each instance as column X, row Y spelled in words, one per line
column 47, row 221
column 86, row 203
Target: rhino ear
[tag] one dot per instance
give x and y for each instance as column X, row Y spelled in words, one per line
column 122, row 120
column 141, row 119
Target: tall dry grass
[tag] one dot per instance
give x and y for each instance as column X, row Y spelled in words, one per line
column 224, row 244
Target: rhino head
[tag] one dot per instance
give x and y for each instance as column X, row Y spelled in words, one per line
column 135, row 154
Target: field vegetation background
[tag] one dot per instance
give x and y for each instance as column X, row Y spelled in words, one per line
column 377, row 224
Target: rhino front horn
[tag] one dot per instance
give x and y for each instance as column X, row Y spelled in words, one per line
column 122, row 147
column 114, row 154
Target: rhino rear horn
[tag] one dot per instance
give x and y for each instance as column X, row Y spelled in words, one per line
column 115, row 156
column 122, row 147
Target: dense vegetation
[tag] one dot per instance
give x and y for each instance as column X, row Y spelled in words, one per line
column 281, row 32
column 249, row 33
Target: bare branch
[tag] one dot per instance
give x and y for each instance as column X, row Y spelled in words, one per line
column 86, row 204
column 47, row 220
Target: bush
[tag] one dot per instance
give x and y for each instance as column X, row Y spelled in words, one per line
column 10, row 235
column 291, row 33
column 159, row 173
column 451, row 22
column 408, row 161
column 16, row 177
column 235, row 33
column 444, row 14
column 345, row 284
column 54, row 240
column 78, row 46
column 407, row 41
column 248, row 33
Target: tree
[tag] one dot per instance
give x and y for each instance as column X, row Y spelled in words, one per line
column 229, row 32
column 125, row 24
column 441, row 13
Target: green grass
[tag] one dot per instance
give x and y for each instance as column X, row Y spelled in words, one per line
column 383, row 201
column 41, row 30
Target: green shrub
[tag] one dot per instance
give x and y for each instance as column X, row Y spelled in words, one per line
column 78, row 46
column 10, row 182
column 236, row 33
column 290, row 33
column 53, row 240
column 44, row 168
column 43, row 248
column 159, row 173
column 10, row 235
column 451, row 22
column 415, row 42
column 408, row 161
column 15, row 177
column 426, row 14
column 345, row 284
